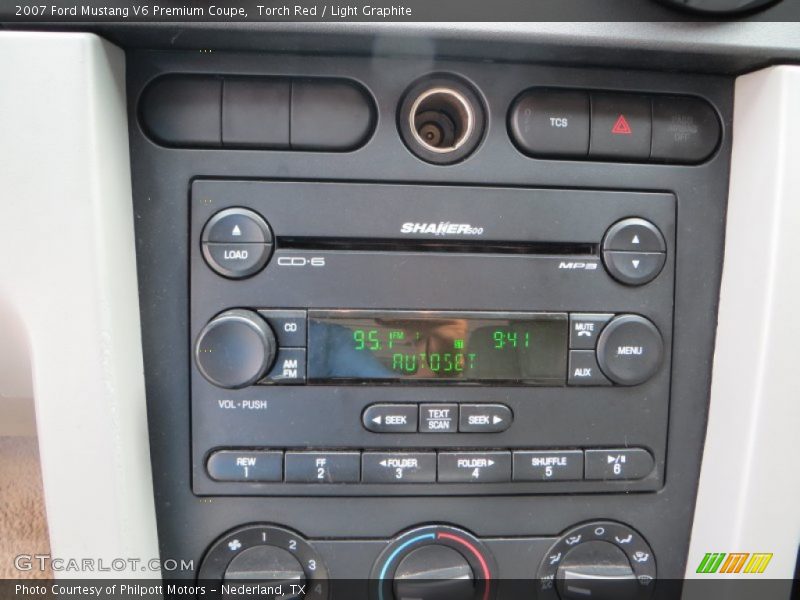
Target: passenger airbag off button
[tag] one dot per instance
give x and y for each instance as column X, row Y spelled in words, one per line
column 685, row 130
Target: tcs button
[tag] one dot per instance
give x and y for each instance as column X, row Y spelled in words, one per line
column 551, row 123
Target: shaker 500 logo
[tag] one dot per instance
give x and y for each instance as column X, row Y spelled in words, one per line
column 442, row 228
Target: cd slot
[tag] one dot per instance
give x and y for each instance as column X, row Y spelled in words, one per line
column 437, row 246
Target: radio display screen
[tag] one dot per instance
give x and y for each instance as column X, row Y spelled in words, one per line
column 431, row 347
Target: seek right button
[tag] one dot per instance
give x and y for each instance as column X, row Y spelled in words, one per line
column 618, row 463
column 484, row 418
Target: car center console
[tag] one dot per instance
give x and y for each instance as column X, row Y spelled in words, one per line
column 409, row 321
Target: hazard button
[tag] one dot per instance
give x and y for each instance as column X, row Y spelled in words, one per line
column 621, row 127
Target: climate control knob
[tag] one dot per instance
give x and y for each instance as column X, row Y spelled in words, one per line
column 603, row 560
column 599, row 568
column 265, row 562
column 436, row 562
column 235, row 349
column 434, row 573
column 271, row 566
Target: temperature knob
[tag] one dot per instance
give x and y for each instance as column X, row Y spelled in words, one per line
column 235, row 349
column 434, row 563
column 434, row 573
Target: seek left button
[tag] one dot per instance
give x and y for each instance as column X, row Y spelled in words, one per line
column 243, row 465
column 391, row 418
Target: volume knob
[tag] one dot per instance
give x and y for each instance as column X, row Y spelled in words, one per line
column 235, row 349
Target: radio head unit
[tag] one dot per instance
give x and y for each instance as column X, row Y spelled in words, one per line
column 344, row 325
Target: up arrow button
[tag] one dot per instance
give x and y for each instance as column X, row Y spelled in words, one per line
column 635, row 235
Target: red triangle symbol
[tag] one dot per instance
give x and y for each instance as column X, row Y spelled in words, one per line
column 621, row 126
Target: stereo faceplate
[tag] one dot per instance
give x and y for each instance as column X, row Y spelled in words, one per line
column 431, row 248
